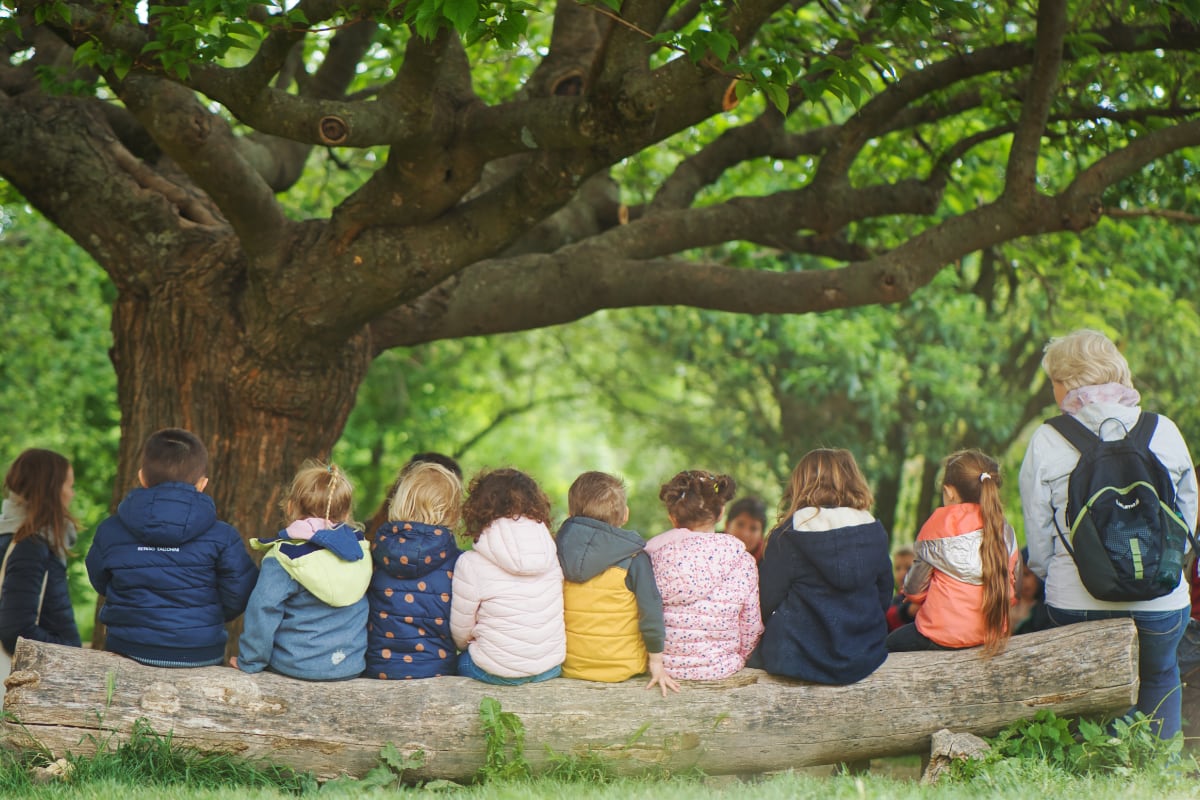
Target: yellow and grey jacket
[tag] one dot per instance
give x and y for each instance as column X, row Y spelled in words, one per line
column 612, row 608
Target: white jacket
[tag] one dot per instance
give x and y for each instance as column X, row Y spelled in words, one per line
column 507, row 601
column 1044, row 475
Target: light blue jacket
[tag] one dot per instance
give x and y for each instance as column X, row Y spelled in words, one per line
column 289, row 628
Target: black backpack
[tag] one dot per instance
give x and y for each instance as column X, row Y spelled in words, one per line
column 1126, row 535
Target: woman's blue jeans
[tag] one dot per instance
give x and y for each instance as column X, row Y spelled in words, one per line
column 1159, row 632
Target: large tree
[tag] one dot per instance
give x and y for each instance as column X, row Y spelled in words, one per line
column 162, row 138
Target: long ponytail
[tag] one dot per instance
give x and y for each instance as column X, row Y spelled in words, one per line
column 976, row 478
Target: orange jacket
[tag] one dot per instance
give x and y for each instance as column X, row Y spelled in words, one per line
column 947, row 575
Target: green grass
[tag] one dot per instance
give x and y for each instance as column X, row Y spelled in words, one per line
column 1024, row 782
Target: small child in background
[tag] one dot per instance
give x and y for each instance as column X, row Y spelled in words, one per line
column 408, row 635
column 383, row 514
column 826, row 577
column 747, row 520
column 506, row 610
column 964, row 575
column 171, row 573
column 902, row 610
column 611, row 605
column 708, row 582
column 307, row 617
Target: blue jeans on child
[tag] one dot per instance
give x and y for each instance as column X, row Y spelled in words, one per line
column 467, row 669
column 1159, row 632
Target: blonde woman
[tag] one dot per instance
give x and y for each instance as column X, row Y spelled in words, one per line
column 1092, row 383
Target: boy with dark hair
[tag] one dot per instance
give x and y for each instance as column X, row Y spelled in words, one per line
column 611, row 604
column 172, row 574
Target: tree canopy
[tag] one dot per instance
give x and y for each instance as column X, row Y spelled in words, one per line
column 280, row 193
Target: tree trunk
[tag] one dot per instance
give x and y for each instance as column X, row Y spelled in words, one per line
column 749, row 723
column 184, row 360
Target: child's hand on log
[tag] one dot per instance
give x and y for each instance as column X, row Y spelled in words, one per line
column 658, row 675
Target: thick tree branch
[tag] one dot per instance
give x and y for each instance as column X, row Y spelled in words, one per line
column 140, row 211
column 203, row 144
column 876, row 115
column 1021, row 175
column 577, row 281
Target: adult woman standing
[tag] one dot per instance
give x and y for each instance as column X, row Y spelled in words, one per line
column 1092, row 383
column 36, row 531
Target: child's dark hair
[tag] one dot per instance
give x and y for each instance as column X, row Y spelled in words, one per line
column 36, row 479
column 976, row 478
column 173, row 455
column 751, row 507
column 381, row 516
column 503, row 493
column 695, row 497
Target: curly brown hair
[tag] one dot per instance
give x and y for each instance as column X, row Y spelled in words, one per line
column 503, row 493
column 696, row 498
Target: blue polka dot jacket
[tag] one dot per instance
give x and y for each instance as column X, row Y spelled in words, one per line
column 408, row 632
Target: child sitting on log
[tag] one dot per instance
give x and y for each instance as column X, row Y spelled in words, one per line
column 172, row 574
column 408, row 632
column 307, row 617
column 708, row 581
column 826, row 578
column 611, row 605
column 964, row 575
column 506, row 610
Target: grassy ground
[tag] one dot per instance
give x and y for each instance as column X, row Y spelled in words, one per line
column 1022, row 782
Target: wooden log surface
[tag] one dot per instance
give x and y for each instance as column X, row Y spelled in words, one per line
column 752, row 722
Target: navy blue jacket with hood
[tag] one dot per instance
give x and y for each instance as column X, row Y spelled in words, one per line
column 408, row 635
column 172, row 575
column 825, row 586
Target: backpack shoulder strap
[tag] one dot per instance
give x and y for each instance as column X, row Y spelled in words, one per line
column 1143, row 431
column 1075, row 432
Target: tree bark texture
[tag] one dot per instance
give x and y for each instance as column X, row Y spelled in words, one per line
column 749, row 723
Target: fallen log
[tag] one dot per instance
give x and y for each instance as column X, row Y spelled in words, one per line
column 67, row 699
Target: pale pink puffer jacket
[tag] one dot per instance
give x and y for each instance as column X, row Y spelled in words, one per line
column 709, row 588
column 507, row 604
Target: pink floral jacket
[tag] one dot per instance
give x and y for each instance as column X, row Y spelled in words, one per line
column 709, row 587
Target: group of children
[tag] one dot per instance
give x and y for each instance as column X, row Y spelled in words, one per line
column 593, row 601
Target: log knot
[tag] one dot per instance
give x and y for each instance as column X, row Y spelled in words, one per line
column 333, row 130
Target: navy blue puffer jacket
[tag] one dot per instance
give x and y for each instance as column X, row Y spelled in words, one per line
column 172, row 575
column 408, row 633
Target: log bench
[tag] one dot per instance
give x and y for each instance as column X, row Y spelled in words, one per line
column 751, row 722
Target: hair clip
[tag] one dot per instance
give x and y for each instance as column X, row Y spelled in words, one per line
column 983, row 476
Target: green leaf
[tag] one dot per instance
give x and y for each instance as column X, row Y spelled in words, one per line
column 462, row 13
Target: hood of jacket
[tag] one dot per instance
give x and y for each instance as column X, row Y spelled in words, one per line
column 693, row 562
column 587, row 547
column 518, row 546
column 12, row 514
column 950, row 540
column 1109, row 420
column 332, row 565
column 168, row 514
column 412, row 549
column 842, row 543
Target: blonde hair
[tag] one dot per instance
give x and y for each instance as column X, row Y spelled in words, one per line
column 965, row 471
column 319, row 490
column 427, row 493
column 826, row 478
column 598, row 495
column 1085, row 358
